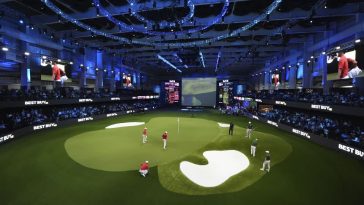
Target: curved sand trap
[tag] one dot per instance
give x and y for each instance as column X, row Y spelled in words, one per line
column 125, row 124
column 224, row 125
column 221, row 166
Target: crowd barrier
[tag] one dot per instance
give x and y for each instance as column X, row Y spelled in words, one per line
column 338, row 109
column 35, row 103
column 36, row 128
column 329, row 143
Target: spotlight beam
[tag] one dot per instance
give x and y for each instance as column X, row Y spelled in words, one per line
column 180, row 60
column 218, row 60
column 168, row 63
column 202, row 59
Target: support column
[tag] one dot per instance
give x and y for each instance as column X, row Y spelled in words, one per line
column 113, row 74
column 307, row 67
column 25, row 74
column 322, row 63
column 83, row 78
column 99, row 79
column 292, row 77
column 99, row 71
column 112, row 81
column 267, row 83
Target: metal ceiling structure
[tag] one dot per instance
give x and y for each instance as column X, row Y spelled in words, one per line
column 283, row 31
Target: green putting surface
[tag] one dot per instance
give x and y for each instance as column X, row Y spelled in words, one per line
column 172, row 178
column 37, row 169
column 121, row 149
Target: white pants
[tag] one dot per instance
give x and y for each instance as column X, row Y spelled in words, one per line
column 145, row 137
column 252, row 150
column 266, row 165
column 63, row 79
column 248, row 133
column 164, row 143
column 143, row 172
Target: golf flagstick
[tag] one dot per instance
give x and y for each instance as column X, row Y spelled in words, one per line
column 178, row 125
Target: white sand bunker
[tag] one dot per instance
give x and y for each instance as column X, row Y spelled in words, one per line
column 221, row 166
column 125, row 124
column 224, row 125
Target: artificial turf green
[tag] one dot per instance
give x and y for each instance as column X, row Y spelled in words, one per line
column 172, row 178
column 36, row 169
column 121, row 149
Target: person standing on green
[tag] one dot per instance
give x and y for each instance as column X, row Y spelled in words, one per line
column 231, row 128
column 253, row 147
column 249, row 130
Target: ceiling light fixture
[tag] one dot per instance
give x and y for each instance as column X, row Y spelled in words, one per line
column 202, row 59
column 168, row 63
column 218, row 60
column 256, row 20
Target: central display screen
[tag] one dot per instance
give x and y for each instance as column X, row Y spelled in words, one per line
column 199, row 92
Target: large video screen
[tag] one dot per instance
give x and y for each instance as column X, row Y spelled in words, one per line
column 54, row 70
column 347, row 62
column 276, row 79
column 127, row 80
column 172, row 91
column 225, row 91
column 199, row 91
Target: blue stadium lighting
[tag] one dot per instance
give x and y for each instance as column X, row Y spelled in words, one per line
column 134, row 10
column 186, row 20
column 21, row 21
column 218, row 60
column 246, row 27
column 202, row 59
column 178, row 58
column 168, row 63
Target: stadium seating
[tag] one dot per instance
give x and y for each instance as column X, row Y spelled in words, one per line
column 341, row 97
column 33, row 116
column 64, row 93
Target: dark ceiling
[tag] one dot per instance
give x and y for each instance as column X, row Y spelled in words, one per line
column 241, row 54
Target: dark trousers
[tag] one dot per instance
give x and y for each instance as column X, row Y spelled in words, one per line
column 231, row 131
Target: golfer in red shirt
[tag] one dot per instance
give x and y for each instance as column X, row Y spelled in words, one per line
column 145, row 135
column 343, row 69
column 56, row 73
column 144, row 168
column 164, row 137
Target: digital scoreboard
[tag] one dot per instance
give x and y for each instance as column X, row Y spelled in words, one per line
column 172, row 90
column 225, row 91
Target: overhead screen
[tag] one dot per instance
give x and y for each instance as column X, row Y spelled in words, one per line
column 48, row 69
column 199, row 91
